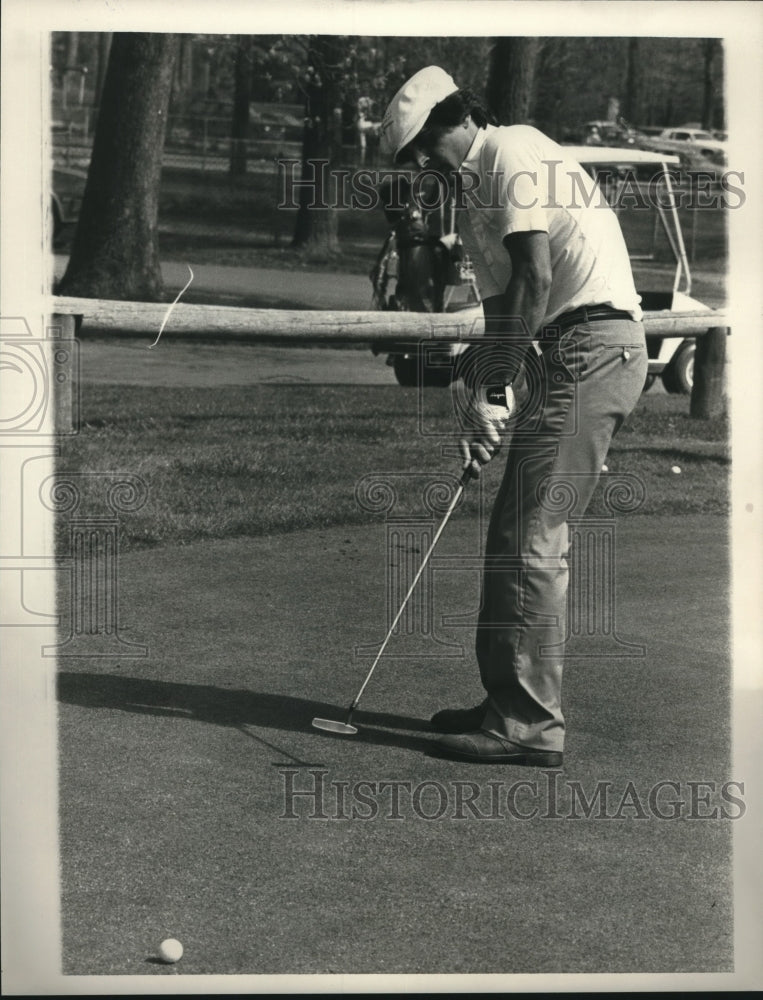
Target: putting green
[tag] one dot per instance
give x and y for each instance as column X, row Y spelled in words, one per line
column 197, row 801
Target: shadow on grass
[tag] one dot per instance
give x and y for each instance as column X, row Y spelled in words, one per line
column 235, row 708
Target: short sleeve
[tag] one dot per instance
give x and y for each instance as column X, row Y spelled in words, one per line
column 518, row 183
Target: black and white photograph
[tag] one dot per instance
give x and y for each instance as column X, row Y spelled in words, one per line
column 380, row 461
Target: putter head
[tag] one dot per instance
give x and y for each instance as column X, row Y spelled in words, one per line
column 335, row 727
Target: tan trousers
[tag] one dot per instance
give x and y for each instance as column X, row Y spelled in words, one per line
column 589, row 380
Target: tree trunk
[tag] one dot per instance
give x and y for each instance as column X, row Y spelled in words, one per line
column 511, row 79
column 710, row 46
column 104, row 46
column 634, row 79
column 72, row 49
column 115, row 250
column 70, row 65
column 184, row 75
column 317, row 220
column 202, row 74
column 709, row 375
column 242, row 97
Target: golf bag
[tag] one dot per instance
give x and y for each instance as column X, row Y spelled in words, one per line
column 424, row 257
column 422, row 253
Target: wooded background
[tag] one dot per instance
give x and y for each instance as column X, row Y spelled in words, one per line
column 657, row 81
column 253, row 96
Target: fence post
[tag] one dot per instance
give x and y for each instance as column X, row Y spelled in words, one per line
column 64, row 373
column 709, row 374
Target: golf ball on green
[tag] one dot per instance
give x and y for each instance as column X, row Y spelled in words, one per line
column 676, row 469
column 170, row 951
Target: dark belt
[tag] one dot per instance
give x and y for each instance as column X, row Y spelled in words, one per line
column 584, row 314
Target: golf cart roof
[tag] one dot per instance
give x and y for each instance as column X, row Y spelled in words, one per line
column 668, row 214
column 612, row 154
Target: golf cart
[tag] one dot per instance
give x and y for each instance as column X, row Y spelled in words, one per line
column 625, row 176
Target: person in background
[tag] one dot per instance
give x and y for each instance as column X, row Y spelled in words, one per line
column 365, row 127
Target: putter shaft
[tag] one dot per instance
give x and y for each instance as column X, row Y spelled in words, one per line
column 453, row 504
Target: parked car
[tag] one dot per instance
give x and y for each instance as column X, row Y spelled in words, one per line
column 603, row 133
column 429, row 363
column 700, row 137
column 67, row 188
column 688, row 140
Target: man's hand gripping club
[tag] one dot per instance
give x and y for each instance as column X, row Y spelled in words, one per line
column 486, row 411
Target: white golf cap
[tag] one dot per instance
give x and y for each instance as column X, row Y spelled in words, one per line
column 410, row 107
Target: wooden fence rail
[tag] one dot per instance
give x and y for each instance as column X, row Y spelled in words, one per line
column 301, row 326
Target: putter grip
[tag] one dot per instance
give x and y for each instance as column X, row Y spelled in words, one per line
column 496, row 395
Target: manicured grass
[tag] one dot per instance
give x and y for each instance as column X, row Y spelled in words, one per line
column 249, row 461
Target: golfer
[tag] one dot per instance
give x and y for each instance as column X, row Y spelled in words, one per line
column 552, row 267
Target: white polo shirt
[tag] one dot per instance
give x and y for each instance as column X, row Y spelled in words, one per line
column 518, row 180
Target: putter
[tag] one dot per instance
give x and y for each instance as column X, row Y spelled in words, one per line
column 345, row 728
